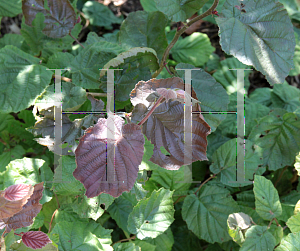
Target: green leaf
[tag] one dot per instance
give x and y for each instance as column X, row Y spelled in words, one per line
column 267, row 202
column 277, row 232
column 194, row 49
column 64, row 182
column 210, row 93
column 179, row 10
column 60, row 60
column 143, row 220
column 10, row 8
column 148, row 152
column 294, row 223
column 24, row 79
column 290, row 242
column 136, row 64
column 33, row 34
column 297, row 163
column 145, row 29
column 172, row 179
column 139, row 191
column 286, row 97
column 127, row 246
column 72, row 97
column 262, row 36
column 85, row 66
column 100, row 15
column 227, row 76
column 11, row 39
column 121, row 208
column 288, row 203
column 60, row 17
column 279, row 136
column 149, row 6
column 6, row 157
column 258, row 238
column 92, row 207
column 21, row 247
column 224, row 163
column 145, row 246
column 81, row 236
column 206, row 214
column 261, row 96
column 164, row 241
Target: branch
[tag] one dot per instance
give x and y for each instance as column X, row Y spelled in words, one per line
column 131, row 238
column 179, row 33
column 52, row 220
column 76, row 40
column 211, row 177
column 151, row 111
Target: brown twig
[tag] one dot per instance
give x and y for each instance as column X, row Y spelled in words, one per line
column 131, row 238
column 76, row 40
column 280, row 176
column 211, row 177
column 277, row 222
column 151, row 111
column 182, row 196
column 52, row 220
column 179, row 33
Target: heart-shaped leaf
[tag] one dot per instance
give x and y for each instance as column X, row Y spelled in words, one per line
column 60, row 17
column 91, row 157
column 165, row 126
column 35, row 239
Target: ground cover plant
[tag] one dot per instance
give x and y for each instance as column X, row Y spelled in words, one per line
column 160, row 195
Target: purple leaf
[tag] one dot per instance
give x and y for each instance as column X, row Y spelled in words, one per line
column 91, row 157
column 165, row 126
column 35, row 239
column 60, row 17
column 29, row 211
column 13, row 199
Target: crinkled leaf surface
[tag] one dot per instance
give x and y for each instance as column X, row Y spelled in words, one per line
column 85, row 66
column 29, row 211
column 60, row 17
column 164, row 241
column 165, row 126
column 100, row 15
column 194, row 49
column 145, row 29
column 13, row 199
column 261, row 96
column 286, row 97
column 152, row 216
column 267, row 203
column 179, row 10
column 290, row 242
column 127, row 246
column 262, row 36
column 210, row 93
column 279, row 136
column 90, row 154
column 224, row 163
column 78, row 235
column 35, row 239
column 294, row 223
column 206, row 213
column 23, row 79
column 296, row 69
column 258, row 238
column 11, row 39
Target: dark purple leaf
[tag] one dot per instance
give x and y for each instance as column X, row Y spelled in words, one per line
column 60, row 17
column 35, row 239
column 29, row 211
column 13, row 199
column 165, row 126
column 91, row 157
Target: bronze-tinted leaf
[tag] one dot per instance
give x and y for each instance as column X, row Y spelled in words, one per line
column 91, row 157
column 13, row 198
column 165, row 126
column 35, row 239
column 29, row 211
column 60, row 17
